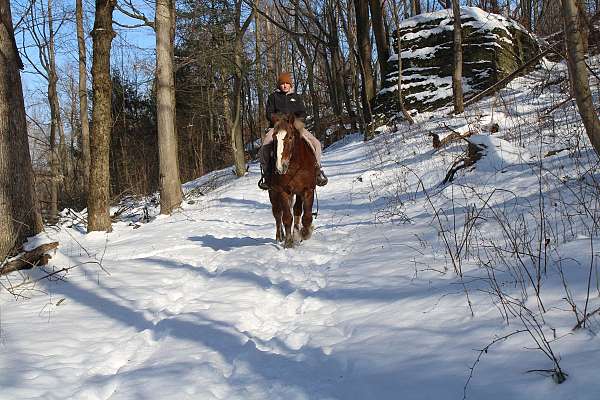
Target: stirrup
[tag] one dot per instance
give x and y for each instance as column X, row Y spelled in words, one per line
column 262, row 183
column 321, row 178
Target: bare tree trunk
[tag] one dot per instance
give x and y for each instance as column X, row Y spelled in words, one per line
column 381, row 37
column 526, row 14
column 57, row 156
column 337, row 61
column 260, row 91
column 99, row 190
column 579, row 74
column 415, row 6
column 236, row 138
column 363, row 43
column 458, row 60
column 19, row 212
column 403, row 109
column 354, row 69
column 170, row 184
column 494, row 6
column 83, row 101
column 236, row 134
column 310, row 72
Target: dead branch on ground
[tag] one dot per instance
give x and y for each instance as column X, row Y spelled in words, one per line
column 29, row 259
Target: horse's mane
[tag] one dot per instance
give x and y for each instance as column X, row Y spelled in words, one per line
column 298, row 123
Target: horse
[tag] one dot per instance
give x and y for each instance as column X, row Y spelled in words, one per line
column 293, row 180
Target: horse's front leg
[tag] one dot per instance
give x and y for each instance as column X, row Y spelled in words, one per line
column 307, row 203
column 287, row 220
column 277, row 211
column 297, row 215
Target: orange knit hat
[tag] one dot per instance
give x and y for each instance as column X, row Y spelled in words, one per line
column 284, row 77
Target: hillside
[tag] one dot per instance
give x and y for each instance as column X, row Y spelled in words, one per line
column 204, row 304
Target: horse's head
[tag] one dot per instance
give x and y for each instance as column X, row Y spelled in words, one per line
column 285, row 133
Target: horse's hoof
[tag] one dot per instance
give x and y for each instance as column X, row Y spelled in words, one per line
column 306, row 232
column 297, row 234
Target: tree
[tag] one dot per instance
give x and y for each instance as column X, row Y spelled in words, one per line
column 458, row 60
column 363, row 43
column 381, row 37
column 19, row 211
column 578, row 72
column 403, row 110
column 83, row 100
column 415, row 7
column 99, row 190
column 235, row 128
column 164, row 28
column 42, row 29
column 170, row 184
column 526, row 9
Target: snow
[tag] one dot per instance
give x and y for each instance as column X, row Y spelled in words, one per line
column 480, row 19
column 204, row 304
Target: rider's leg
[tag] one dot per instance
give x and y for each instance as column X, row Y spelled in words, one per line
column 265, row 160
column 315, row 145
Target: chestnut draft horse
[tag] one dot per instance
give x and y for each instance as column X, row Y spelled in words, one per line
column 293, row 180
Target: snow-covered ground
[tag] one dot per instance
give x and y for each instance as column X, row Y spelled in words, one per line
column 204, row 304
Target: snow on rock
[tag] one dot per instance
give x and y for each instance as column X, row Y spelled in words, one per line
column 498, row 154
column 493, row 47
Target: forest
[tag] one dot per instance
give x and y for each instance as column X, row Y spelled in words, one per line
column 125, row 99
column 454, row 249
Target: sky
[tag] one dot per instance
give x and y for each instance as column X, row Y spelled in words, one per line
column 131, row 48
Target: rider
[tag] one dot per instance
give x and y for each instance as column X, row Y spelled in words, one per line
column 285, row 100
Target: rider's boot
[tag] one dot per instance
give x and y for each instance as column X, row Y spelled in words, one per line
column 265, row 181
column 321, row 177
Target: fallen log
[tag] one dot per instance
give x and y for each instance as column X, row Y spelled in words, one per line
column 474, row 153
column 453, row 137
column 29, row 259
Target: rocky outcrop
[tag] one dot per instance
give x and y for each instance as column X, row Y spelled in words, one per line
column 493, row 47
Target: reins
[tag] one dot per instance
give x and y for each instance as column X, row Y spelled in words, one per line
column 316, row 212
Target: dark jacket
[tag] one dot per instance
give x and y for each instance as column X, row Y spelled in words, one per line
column 279, row 102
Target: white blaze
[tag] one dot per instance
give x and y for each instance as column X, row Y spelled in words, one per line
column 280, row 136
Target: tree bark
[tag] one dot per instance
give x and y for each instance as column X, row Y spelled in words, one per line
column 57, row 159
column 354, row 96
column 381, row 38
column 363, row 43
column 578, row 73
column 170, row 183
column 99, row 190
column 29, row 259
column 236, row 134
column 83, row 101
column 337, row 61
column 401, row 105
column 260, row 91
column 310, row 72
column 236, row 138
column 415, row 7
column 19, row 212
column 526, row 14
column 458, row 61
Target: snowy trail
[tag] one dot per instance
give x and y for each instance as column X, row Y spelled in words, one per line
column 207, row 299
column 206, row 305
